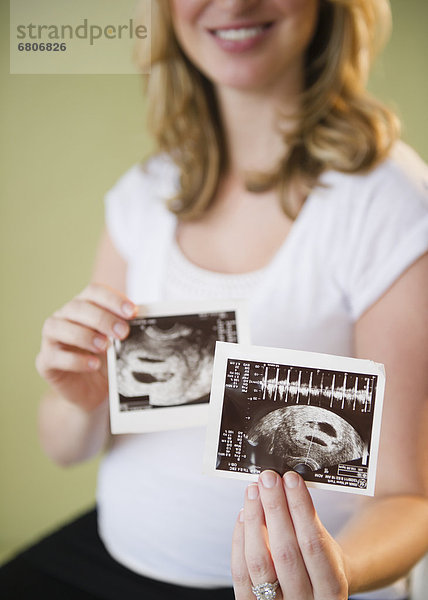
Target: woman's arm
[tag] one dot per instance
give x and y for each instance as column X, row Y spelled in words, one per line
column 73, row 416
column 279, row 535
column 391, row 532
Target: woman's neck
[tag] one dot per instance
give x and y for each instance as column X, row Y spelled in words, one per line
column 250, row 120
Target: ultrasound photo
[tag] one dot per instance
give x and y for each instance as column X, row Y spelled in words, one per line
column 166, row 362
column 285, row 410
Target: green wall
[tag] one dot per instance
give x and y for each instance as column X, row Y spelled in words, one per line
column 64, row 140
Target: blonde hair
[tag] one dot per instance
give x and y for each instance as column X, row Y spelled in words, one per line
column 339, row 125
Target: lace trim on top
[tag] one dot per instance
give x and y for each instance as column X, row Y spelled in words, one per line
column 184, row 279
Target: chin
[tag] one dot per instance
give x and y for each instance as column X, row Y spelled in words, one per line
column 256, row 73
column 249, row 79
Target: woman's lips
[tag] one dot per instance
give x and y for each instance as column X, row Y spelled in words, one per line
column 238, row 38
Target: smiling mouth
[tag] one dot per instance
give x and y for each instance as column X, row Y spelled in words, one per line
column 240, row 33
column 149, row 378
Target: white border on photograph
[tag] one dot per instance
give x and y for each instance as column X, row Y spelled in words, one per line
column 225, row 351
column 174, row 417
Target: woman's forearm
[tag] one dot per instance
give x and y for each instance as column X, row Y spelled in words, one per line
column 385, row 540
column 68, row 433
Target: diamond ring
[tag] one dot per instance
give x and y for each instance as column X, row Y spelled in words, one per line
column 265, row 591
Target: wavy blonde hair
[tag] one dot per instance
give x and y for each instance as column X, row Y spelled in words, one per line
column 339, row 125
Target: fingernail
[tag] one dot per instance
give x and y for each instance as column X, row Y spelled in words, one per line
column 128, row 309
column 241, row 515
column 93, row 363
column 100, row 343
column 120, row 329
column 268, row 479
column 291, row 479
column 252, row 492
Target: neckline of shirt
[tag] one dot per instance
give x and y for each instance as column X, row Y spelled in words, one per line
column 186, row 265
column 186, row 269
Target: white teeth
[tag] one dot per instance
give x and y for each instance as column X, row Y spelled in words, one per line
column 243, row 33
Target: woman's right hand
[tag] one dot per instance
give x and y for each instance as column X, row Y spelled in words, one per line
column 72, row 357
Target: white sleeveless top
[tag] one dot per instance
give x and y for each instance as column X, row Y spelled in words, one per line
column 158, row 514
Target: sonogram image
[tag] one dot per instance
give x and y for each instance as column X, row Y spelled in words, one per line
column 305, row 437
column 317, row 422
column 167, row 361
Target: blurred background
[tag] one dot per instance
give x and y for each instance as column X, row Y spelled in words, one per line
column 64, row 141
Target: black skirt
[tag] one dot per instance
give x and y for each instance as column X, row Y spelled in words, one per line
column 73, row 564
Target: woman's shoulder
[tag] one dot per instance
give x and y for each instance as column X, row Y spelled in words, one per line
column 400, row 180
column 403, row 168
column 377, row 224
column 136, row 206
column 156, row 176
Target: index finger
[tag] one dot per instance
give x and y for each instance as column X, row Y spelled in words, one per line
column 284, row 547
column 109, row 298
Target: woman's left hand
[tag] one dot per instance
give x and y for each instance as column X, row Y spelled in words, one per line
column 278, row 536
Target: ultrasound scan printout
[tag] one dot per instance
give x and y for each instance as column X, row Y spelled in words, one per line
column 160, row 375
column 278, row 409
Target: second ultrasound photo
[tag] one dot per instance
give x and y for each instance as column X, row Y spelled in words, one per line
column 167, row 361
column 160, row 375
column 277, row 409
